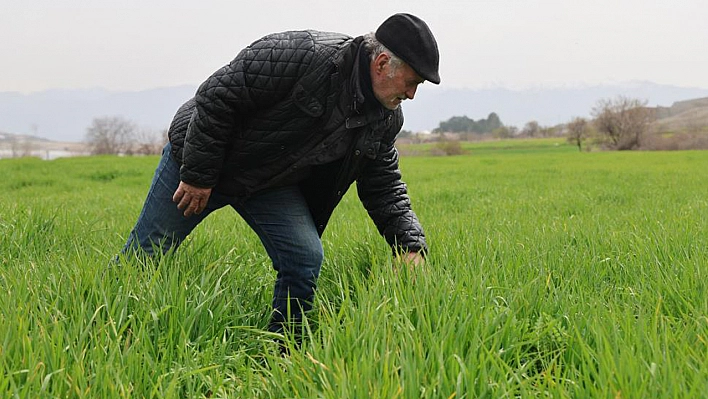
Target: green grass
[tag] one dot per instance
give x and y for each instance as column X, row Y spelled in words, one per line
column 518, row 146
column 551, row 273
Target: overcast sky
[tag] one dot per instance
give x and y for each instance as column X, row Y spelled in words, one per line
column 143, row 44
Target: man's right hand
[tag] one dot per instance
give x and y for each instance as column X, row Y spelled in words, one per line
column 191, row 199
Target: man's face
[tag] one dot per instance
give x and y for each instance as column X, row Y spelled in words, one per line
column 393, row 85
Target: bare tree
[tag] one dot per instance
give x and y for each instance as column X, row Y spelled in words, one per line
column 578, row 131
column 505, row 132
column 551, row 131
column 110, row 135
column 149, row 142
column 531, row 129
column 623, row 121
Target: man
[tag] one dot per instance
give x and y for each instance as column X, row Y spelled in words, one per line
column 280, row 133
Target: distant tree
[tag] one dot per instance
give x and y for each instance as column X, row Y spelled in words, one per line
column 505, row 132
column 110, row 135
column 622, row 121
column 578, row 130
column 149, row 142
column 456, row 124
column 531, row 129
column 551, row 131
column 493, row 122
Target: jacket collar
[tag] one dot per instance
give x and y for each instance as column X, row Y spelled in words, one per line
column 360, row 81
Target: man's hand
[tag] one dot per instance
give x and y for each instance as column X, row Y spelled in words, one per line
column 191, row 199
column 410, row 261
column 412, row 258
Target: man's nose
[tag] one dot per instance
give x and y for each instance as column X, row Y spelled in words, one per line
column 410, row 93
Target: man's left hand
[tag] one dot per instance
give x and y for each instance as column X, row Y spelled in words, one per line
column 190, row 199
column 413, row 258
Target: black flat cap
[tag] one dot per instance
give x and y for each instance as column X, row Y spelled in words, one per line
column 411, row 40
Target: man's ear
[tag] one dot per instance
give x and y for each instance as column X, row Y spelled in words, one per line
column 380, row 62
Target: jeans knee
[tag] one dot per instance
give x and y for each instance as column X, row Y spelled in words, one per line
column 303, row 262
column 311, row 258
column 317, row 255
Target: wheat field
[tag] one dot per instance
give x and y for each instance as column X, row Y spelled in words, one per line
column 552, row 273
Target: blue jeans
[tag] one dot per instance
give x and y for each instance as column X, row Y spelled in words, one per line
column 280, row 217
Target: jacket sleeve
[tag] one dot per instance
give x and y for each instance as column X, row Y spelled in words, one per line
column 261, row 75
column 385, row 198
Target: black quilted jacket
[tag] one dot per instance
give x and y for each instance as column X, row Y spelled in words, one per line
column 251, row 124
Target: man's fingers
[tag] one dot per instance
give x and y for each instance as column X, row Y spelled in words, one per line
column 184, row 202
column 188, row 209
column 192, row 205
column 201, row 204
column 179, row 193
column 190, row 199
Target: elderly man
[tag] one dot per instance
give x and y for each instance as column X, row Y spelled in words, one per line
column 280, row 133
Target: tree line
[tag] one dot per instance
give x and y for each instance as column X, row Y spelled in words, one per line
column 463, row 124
column 466, row 128
column 620, row 123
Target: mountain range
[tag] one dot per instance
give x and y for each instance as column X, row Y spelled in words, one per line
column 64, row 114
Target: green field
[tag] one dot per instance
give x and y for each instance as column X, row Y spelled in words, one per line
column 552, row 273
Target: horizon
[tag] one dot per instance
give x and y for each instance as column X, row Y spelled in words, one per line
column 64, row 114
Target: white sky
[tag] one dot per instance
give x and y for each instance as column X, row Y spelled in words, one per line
column 143, row 44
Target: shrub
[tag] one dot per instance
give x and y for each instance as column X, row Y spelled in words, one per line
column 448, row 147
